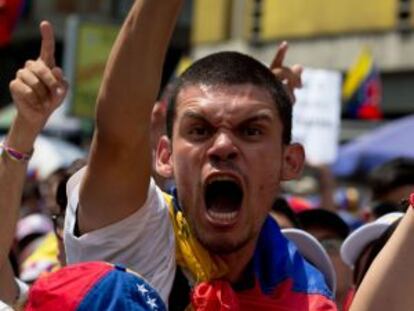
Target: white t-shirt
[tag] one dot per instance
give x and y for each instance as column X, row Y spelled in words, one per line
column 143, row 242
column 4, row 307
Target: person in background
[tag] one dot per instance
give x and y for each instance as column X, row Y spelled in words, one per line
column 284, row 215
column 31, row 198
column 390, row 184
column 31, row 232
column 324, row 225
column 331, row 231
column 49, row 255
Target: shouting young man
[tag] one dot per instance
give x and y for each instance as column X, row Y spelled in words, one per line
column 211, row 244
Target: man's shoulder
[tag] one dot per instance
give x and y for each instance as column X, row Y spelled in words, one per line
column 153, row 213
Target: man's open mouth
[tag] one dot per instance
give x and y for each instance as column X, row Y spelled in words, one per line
column 223, row 200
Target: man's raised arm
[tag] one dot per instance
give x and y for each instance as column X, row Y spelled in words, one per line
column 117, row 178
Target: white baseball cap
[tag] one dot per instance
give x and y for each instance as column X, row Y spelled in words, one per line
column 356, row 242
column 33, row 224
column 313, row 251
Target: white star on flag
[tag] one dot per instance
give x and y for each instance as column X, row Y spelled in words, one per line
column 142, row 289
column 151, row 303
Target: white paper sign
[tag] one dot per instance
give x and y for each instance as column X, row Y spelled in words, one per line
column 316, row 115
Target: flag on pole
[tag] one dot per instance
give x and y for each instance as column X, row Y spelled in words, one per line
column 362, row 90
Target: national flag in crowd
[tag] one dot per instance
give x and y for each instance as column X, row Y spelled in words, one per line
column 10, row 11
column 362, row 90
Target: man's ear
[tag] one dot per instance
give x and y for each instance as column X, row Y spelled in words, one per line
column 163, row 164
column 293, row 161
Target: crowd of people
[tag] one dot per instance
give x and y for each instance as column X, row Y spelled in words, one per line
column 172, row 209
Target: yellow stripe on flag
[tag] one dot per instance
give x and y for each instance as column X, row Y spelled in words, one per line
column 357, row 73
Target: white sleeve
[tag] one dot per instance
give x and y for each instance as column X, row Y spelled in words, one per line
column 143, row 242
column 4, row 307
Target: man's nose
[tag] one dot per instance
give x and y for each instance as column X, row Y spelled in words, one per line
column 223, row 148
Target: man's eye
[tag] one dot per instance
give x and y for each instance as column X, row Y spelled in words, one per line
column 199, row 132
column 251, row 131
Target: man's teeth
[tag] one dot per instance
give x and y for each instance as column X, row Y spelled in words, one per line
column 223, row 216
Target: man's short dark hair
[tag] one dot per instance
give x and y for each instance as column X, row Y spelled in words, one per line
column 233, row 68
column 390, row 176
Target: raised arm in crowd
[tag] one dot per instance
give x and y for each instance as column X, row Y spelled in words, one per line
column 37, row 91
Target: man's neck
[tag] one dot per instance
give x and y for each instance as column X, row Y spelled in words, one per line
column 238, row 261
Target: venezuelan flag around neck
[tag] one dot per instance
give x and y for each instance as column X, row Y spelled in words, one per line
column 277, row 278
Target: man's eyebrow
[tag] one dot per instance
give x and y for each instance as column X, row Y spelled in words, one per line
column 194, row 115
column 259, row 117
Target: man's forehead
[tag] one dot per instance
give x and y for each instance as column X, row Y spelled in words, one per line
column 201, row 95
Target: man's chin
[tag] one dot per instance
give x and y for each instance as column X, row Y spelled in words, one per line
column 220, row 245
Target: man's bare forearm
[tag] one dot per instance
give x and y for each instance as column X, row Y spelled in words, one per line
column 133, row 72
column 120, row 161
column 12, row 177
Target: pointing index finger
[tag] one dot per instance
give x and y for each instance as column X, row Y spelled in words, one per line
column 280, row 56
column 47, row 49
